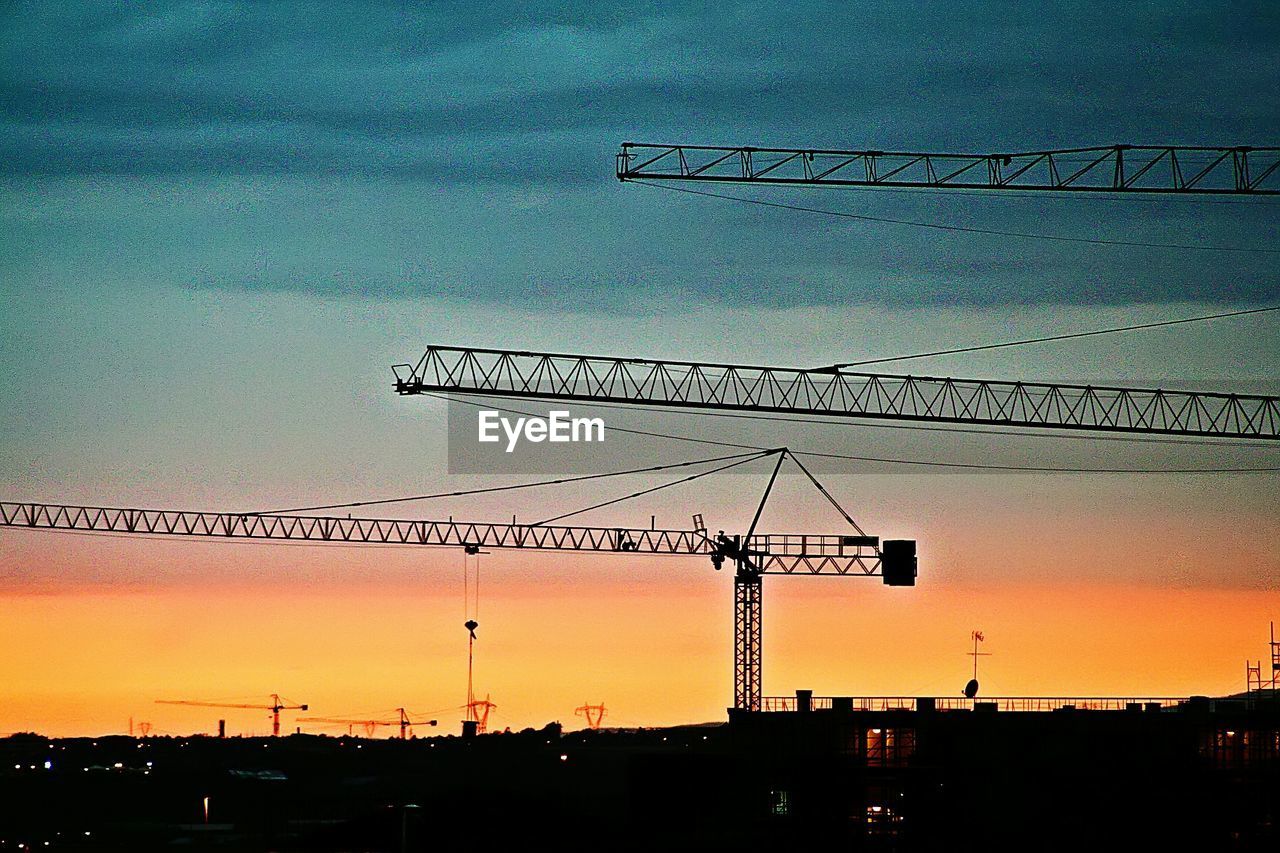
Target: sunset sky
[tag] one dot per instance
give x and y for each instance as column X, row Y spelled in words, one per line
column 224, row 222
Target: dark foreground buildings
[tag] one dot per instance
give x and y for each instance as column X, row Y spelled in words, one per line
column 805, row 774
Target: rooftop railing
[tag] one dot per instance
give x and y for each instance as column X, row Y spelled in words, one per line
column 949, row 703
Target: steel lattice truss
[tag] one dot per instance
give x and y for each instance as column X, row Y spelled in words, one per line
column 748, row 633
column 1234, row 170
column 827, row 391
column 779, row 553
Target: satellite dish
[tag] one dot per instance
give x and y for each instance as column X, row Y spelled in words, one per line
column 971, row 689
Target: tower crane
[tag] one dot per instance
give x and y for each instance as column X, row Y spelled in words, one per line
column 1178, row 169
column 277, row 705
column 833, row 391
column 371, row 725
column 830, row 390
column 755, row 554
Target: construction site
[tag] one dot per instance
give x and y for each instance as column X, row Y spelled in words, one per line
column 291, row 471
column 893, row 773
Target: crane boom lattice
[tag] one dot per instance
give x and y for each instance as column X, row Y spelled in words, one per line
column 1177, row 169
column 782, row 553
column 839, row 393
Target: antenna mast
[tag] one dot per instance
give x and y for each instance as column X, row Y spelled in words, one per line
column 971, row 689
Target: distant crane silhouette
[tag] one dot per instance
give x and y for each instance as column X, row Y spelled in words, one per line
column 277, row 705
column 371, row 725
column 593, row 713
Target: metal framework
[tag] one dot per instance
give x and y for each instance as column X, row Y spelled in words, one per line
column 773, row 553
column 835, row 392
column 957, row 703
column 826, row 391
column 1179, row 169
column 748, row 639
column 753, row 556
column 594, row 714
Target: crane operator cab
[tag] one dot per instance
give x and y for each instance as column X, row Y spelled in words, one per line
column 725, row 548
column 731, row 548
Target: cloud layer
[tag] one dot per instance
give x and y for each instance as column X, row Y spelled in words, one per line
column 467, row 150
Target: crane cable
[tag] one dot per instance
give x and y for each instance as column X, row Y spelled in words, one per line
column 751, row 458
column 781, row 452
column 965, row 229
column 470, row 589
column 471, row 613
column 1067, row 336
column 507, row 488
column 830, row 498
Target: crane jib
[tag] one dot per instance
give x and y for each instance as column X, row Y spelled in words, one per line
column 1179, row 169
column 838, row 393
column 780, row 553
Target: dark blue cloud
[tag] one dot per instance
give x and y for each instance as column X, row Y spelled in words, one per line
column 268, row 87
column 522, row 96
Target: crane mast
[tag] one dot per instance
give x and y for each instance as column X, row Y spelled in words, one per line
column 1177, row 169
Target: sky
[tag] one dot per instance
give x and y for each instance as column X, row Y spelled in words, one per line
column 224, row 222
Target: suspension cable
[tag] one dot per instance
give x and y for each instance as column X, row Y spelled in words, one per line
column 821, row 488
column 753, row 457
column 507, row 488
column 1067, row 336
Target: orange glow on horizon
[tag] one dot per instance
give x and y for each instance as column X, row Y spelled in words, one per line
column 654, row 646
